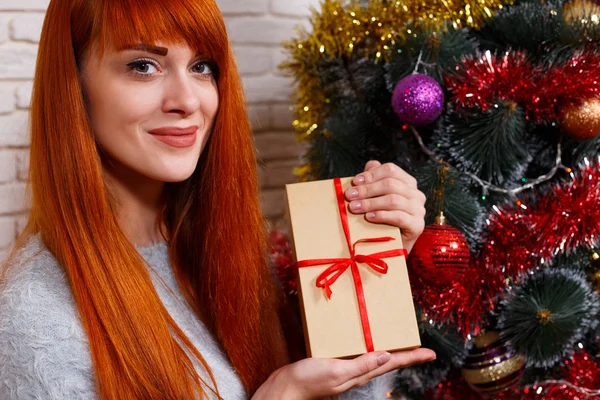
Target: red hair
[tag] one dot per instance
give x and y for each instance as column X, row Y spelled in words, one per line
column 216, row 231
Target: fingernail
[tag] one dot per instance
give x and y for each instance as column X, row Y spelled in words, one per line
column 355, row 205
column 352, row 193
column 359, row 179
column 383, row 358
column 370, row 215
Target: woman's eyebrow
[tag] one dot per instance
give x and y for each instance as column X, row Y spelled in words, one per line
column 161, row 51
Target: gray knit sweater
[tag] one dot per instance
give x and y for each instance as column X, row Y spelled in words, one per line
column 44, row 351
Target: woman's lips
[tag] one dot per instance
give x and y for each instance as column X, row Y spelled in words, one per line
column 175, row 136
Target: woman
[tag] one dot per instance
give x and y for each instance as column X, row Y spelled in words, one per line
column 142, row 271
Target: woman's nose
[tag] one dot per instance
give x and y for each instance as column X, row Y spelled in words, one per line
column 182, row 95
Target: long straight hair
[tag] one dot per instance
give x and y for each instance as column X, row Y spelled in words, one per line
column 215, row 228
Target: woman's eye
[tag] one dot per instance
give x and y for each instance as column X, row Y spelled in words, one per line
column 203, row 68
column 148, row 68
column 142, row 67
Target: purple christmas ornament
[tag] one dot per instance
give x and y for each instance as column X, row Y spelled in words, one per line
column 418, row 100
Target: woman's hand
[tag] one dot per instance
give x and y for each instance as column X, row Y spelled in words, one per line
column 313, row 378
column 389, row 195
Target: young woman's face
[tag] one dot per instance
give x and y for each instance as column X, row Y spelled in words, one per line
column 151, row 107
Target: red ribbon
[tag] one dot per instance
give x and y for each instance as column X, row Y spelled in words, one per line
column 328, row 277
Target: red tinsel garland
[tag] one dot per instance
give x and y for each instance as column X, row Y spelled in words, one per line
column 462, row 303
column 522, row 237
column 480, row 82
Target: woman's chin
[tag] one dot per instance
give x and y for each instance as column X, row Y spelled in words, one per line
column 178, row 176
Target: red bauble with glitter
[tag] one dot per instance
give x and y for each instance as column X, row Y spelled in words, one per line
column 440, row 255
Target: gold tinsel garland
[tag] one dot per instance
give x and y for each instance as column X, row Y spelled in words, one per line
column 345, row 28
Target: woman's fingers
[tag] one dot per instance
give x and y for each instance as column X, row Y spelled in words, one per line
column 317, row 377
column 390, row 202
column 402, row 359
column 383, row 187
column 384, row 171
column 372, row 164
column 363, row 365
column 410, row 223
column 398, row 359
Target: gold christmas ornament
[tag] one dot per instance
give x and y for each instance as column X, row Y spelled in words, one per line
column 593, row 269
column 582, row 12
column 581, row 121
column 490, row 368
column 595, row 279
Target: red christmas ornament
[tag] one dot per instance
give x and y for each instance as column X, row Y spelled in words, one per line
column 441, row 255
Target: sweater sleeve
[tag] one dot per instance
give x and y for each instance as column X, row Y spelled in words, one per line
column 44, row 352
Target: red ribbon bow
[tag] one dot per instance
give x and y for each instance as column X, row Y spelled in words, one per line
column 328, row 277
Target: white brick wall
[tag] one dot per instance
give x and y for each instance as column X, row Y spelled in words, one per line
column 256, row 28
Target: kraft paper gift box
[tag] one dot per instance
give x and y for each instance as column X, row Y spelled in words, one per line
column 338, row 326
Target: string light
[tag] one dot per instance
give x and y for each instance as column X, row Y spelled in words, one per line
column 487, row 186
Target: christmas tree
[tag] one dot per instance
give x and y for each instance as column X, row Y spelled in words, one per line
column 494, row 106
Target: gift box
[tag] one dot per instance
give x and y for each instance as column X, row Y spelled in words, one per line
column 353, row 282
